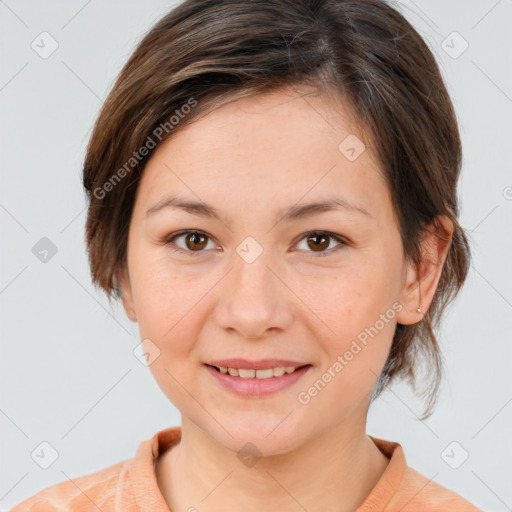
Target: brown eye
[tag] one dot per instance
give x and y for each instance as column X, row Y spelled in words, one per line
column 196, row 241
column 188, row 242
column 320, row 242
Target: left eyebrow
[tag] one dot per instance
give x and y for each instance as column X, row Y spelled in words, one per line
column 293, row 213
column 298, row 212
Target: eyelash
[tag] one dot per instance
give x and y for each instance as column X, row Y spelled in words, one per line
column 169, row 241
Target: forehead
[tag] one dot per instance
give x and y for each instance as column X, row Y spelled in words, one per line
column 266, row 149
column 279, row 120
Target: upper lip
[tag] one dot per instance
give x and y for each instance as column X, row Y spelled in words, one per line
column 260, row 364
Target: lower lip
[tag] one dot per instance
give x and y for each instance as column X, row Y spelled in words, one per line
column 257, row 387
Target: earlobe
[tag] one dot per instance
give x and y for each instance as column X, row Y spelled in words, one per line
column 421, row 279
column 410, row 298
column 128, row 307
column 126, row 296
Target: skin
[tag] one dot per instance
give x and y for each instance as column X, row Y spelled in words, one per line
column 251, row 158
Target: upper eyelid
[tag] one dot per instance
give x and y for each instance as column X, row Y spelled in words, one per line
column 341, row 240
column 184, row 232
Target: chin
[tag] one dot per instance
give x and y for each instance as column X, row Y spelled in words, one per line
column 257, row 436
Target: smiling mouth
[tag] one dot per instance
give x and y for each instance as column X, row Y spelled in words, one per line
column 267, row 373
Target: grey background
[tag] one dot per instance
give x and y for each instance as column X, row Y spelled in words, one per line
column 68, row 374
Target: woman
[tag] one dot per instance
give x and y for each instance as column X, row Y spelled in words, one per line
column 272, row 191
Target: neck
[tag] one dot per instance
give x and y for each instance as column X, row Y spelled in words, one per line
column 335, row 471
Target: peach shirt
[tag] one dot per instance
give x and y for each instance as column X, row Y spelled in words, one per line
column 131, row 485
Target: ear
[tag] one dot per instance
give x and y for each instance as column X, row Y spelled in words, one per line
column 124, row 287
column 420, row 281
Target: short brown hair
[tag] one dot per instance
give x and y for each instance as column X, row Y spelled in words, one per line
column 207, row 52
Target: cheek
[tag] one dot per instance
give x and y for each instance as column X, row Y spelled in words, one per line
column 355, row 320
column 170, row 313
column 164, row 298
column 352, row 296
column 358, row 321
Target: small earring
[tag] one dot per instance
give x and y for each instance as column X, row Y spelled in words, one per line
column 418, row 310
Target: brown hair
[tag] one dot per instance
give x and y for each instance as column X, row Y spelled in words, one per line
column 204, row 53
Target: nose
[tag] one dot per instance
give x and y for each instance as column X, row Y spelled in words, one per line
column 253, row 301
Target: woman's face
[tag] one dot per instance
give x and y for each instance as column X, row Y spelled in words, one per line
column 254, row 283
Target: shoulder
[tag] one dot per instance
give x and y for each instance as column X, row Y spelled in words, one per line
column 417, row 492
column 91, row 492
column 403, row 489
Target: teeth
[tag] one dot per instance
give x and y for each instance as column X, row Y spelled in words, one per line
column 246, row 374
column 267, row 373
